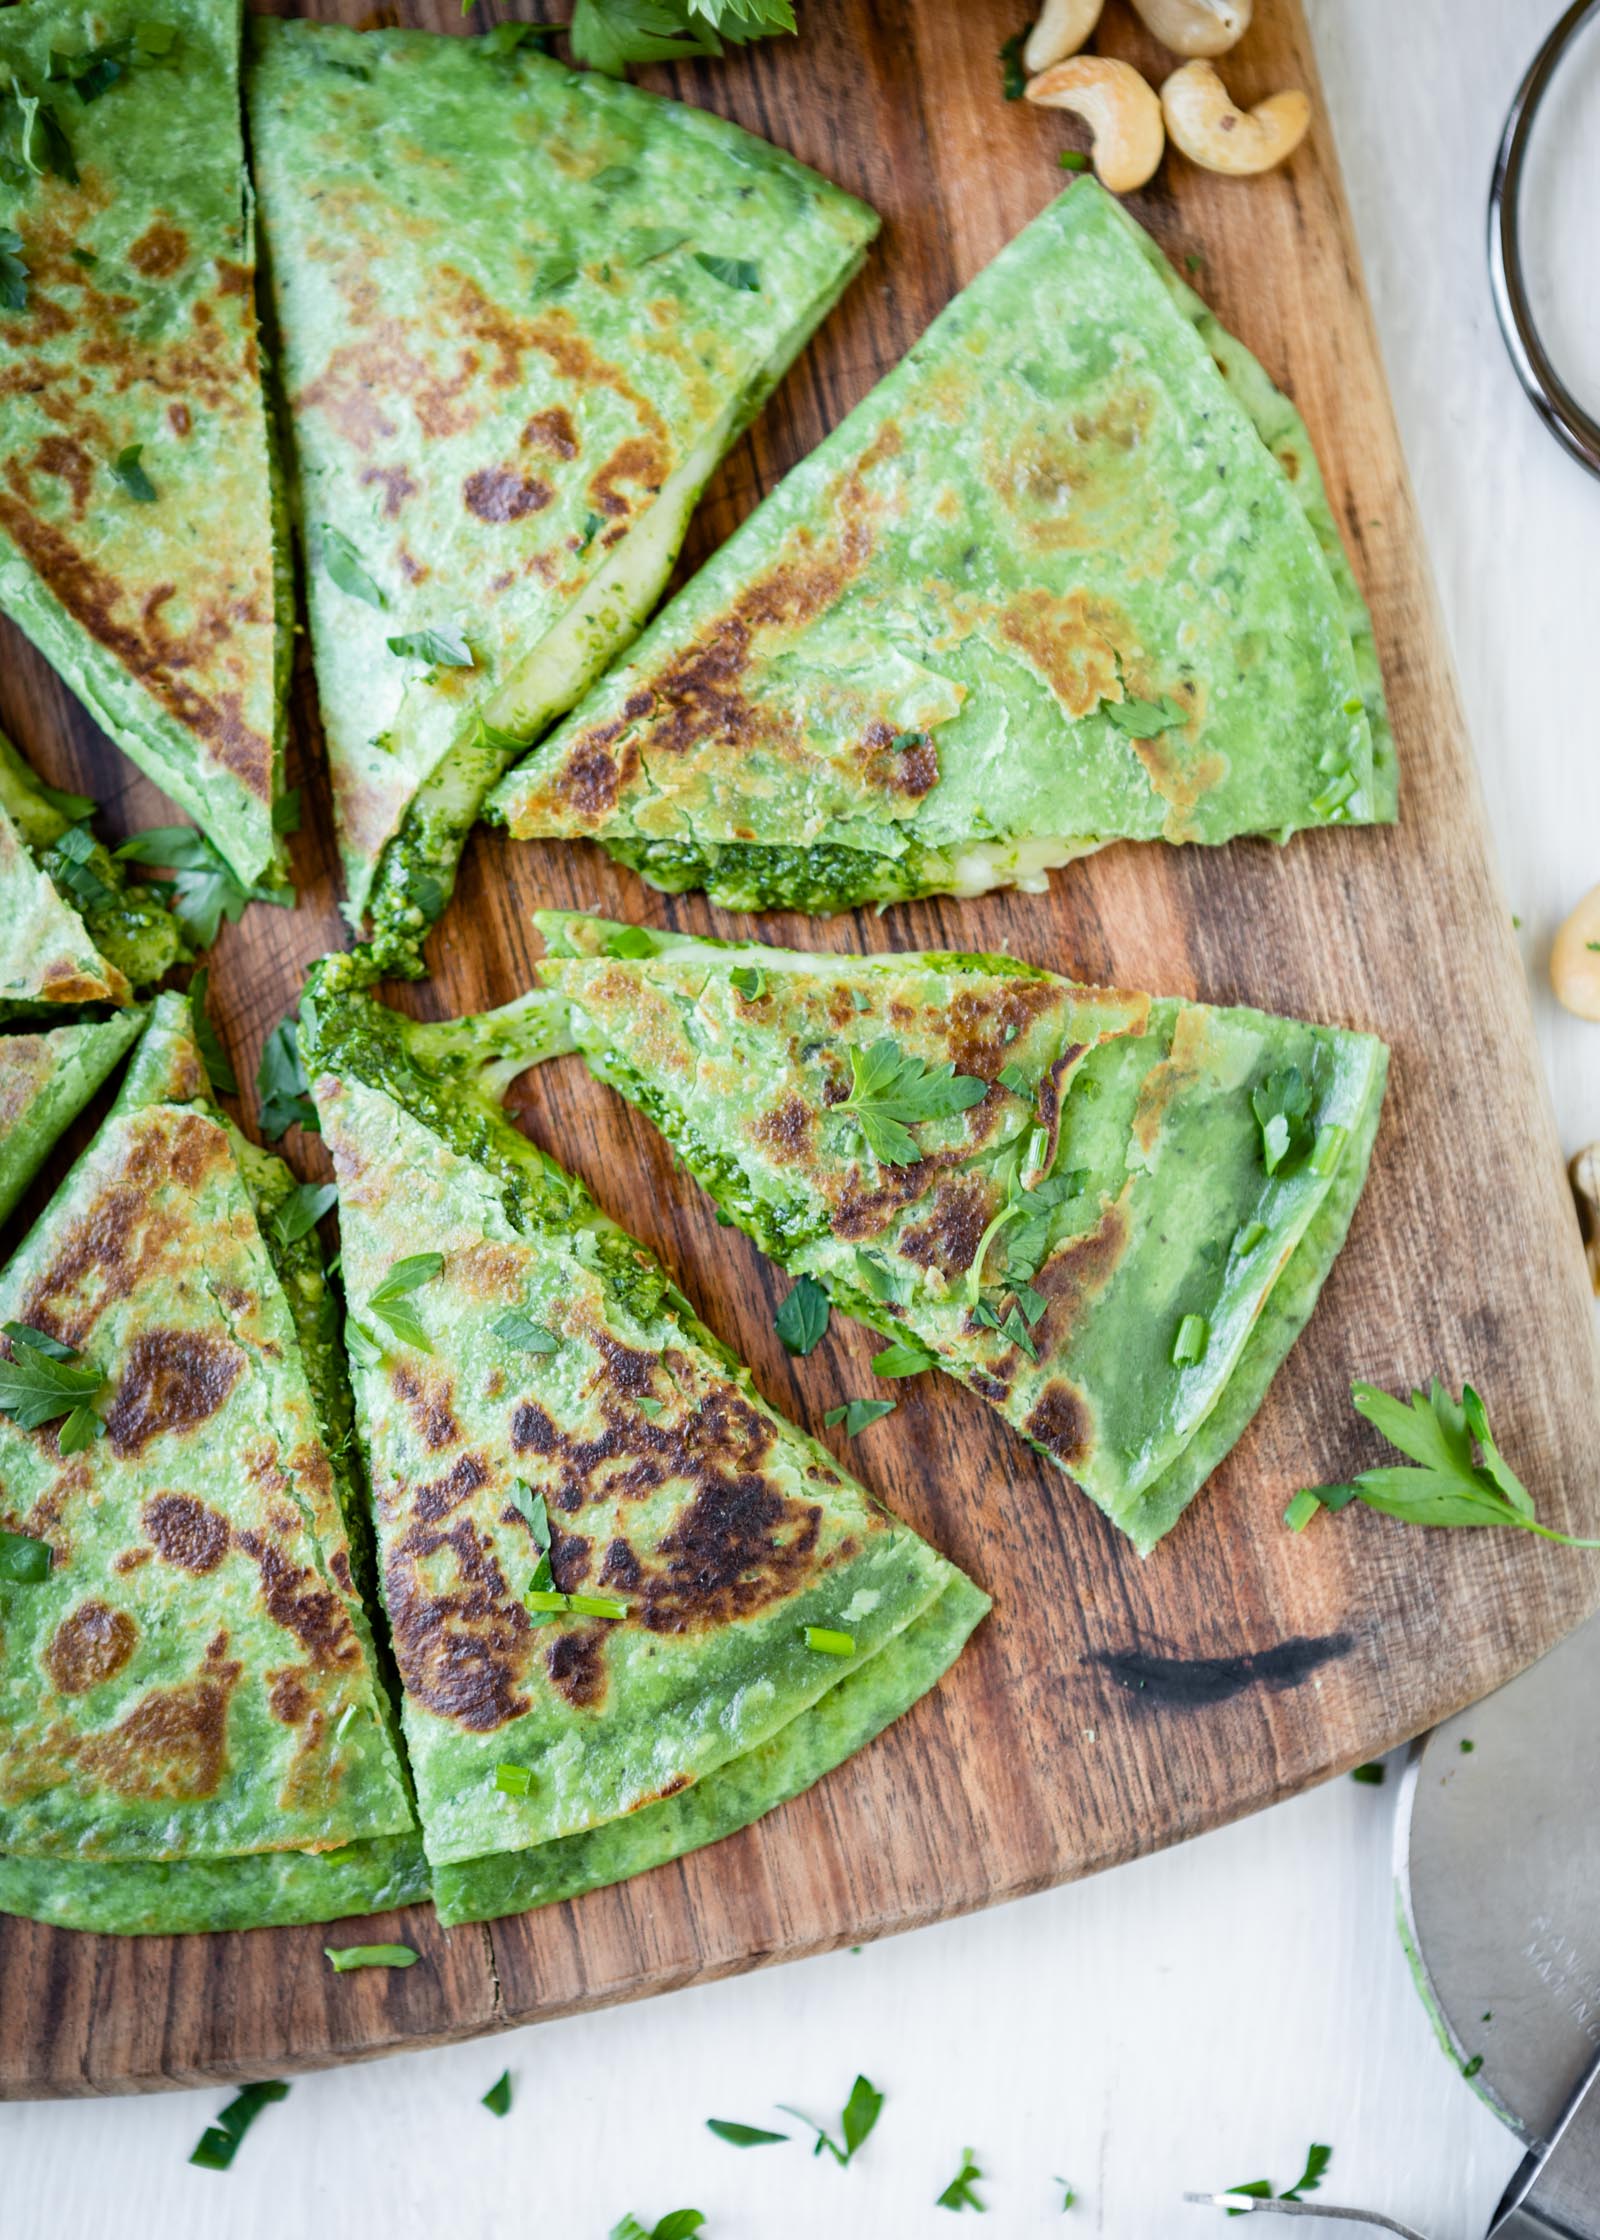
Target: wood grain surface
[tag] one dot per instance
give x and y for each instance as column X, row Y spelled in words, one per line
column 1108, row 1706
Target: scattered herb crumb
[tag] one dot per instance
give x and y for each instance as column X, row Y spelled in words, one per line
column 1013, row 77
column 1073, row 159
column 498, row 2097
column 1310, row 2178
column 1471, row 2068
column 344, row 1957
column 855, row 1415
column 1068, row 2196
column 130, row 473
column 861, row 2112
column 743, row 2134
column 677, row 2224
column 958, row 2194
column 220, row 2141
column 1371, row 1773
column 1467, row 1748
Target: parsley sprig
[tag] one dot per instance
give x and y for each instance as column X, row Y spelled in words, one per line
column 677, row 2224
column 206, row 889
column 281, row 1084
column 390, row 1300
column 1310, row 2178
column 45, row 1380
column 860, row 2113
column 1451, row 1486
column 893, row 1092
column 608, row 35
column 959, row 2194
column 802, row 1320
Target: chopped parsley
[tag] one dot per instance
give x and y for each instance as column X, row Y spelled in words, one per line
column 45, row 1380
column 281, row 1084
column 345, row 569
column 553, row 275
column 802, row 1320
column 1282, row 1106
column 391, row 1299
column 855, row 1415
column 519, row 1329
column 829, row 1643
column 301, row 1210
column 1145, row 719
column 1019, row 1081
column 1370, row 1775
column 343, row 1958
column 1310, row 2178
column 677, row 2224
column 207, row 890
column 631, row 941
column 443, row 648
column 959, row 2194
column 1013, row 76
column 128, row 468
column 733, row 272
column 902, row 1361
column 74, row 851
column 498, row 2097
column 24, row 1561
column 861, row 2112
column 13, row 272
column 1068, row 2195
column 743, row 2134
column 1452, row 1485
column 219, row 1070
column 892, row 1092
column 220, row 2141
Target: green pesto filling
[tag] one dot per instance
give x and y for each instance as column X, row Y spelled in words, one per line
column 740, row 875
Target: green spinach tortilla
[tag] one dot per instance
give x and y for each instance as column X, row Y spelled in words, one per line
column 194, row 1680
column 523, row 311
column 45, row 1081
column 73, row 928
column 1109, row 1216
column 140, row 532
column 1067, row 575
column 631, row 1607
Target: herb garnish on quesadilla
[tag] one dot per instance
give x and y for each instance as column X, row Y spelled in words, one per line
column 1067, row 575
column 189, row 1699
column 139, row 547
column 504, row 404
column 1108, row 1213
column 601, row 1552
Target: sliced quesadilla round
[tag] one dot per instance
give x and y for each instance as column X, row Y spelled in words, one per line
column 1067, row 575
column 188, row 1673
column 1107, row 1213
column 623, row 1592
column 140, row 535
column 523, row 311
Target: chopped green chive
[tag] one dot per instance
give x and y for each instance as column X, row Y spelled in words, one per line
column 1328, row 1149
column 220, row 2141
column 749, row 981
column 733, row 272
column 344, row 1957
column 128, row 471
column 1194, row 1335
column 574, row 1605
column 1247, row 1236
column 743, row 2134
column 828, row 1643
column 1334, row 795
column 513, row 1780
column 498, row 2097
column 1301, row 1510
column 1371, row 1774
column 1471, row 2068
column 1016, row 1079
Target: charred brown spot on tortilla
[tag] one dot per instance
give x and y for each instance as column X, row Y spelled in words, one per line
column 436, row 1499
column 1055, row 478
column 499, row 494
column 532, row 1431
column 182, row 1530
column 672, row 1788
column 787, row 1130
column 396, row 485
column 1175, row 1073
column 427, row 1404
column 68, row 462
column 174, row 1380
column 179, row 419
column 552, row 431
column 644, row 462
column 174, row 1742
column 461, row 1640
column 131, row 1559
column 627, row 1369
column 620, row 1567
column 1048, row 1100
column 591, row 778
column 1181, row 777
column 89, row 1646
column 948, row 1238
column 739, row 1545
column 571, row 1557
column 160, row 251
column 288, row 1698
column 911, row 768
column 299, row 1602
column 576, row 1663
column 1058, row 1421
column 1072, row 641
column 1079, row 1269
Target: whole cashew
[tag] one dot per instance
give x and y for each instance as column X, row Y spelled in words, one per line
column 1575, row 959
column 1121, row 111
column 1062, row 28
column 1197, row 27
column 1215, row 134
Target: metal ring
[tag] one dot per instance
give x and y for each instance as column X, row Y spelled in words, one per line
column 1573, row 428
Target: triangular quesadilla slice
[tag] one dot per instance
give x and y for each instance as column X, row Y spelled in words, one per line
column 1108, row 1213
column 45, row 1082
column 187, row 1675
column 1067, row 575
column 631, row 1606
column 523, row 311
column 73, row 929
column 140, row 533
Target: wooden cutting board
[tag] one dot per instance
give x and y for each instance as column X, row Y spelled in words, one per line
column 1109, row 1705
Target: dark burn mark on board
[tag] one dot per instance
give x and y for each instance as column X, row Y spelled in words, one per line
column 174, row 1380
column 1195, row 1683
column 185, row 1532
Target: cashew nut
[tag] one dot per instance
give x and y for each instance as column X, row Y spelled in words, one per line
column 1584, row 1174
column 1062, row 28
column 1575, row 959
column 1215, row 134
column 1121, row 111
column 1197, row 27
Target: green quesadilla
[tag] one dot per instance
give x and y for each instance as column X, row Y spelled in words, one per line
column 631, row 1607
column 191, row 1680
column 73, row 930
column 139, row 548
column 45, row 1082
column 523, row 312
column 1108, row 1214
column 1067, row 575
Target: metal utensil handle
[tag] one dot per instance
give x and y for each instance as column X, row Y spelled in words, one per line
column 1573, row 428
column 1556, row 2195
column 1247, row 2202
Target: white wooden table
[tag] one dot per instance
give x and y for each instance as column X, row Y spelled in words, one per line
column 1198, row 2018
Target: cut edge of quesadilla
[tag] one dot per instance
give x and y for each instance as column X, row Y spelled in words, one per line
column 177, row 1757
column 687, row 759
column 46, row 1079
column 606, row 467
column 74, row 929
column 718, row 1662
column 137, row 568
column 1262, row 1241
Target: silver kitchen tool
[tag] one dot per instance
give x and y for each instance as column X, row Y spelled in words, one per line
column 1497, row 1863
column 1576, row 430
